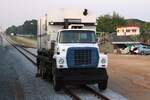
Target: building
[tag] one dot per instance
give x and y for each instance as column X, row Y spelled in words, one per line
column 124, row 37
column 122, row 43
column 129, row 30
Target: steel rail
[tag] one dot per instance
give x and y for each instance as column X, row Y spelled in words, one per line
column 23, row 48
column 27, row 51
column 34, row 63
column 72, row 94
column 96, row 93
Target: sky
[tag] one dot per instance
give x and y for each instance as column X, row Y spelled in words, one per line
column 15, row 12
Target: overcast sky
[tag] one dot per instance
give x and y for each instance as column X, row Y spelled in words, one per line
column 15, row 12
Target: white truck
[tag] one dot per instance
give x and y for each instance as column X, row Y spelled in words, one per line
column 68, row 53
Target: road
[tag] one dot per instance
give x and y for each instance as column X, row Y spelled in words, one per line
column 130, row 76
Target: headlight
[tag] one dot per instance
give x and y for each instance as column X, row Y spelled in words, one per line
column 103, row 60
column 61, row 61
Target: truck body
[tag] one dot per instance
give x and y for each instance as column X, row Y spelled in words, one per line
column 68, row 52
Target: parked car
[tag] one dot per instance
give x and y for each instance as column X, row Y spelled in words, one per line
column 134, row 49
column 125, row 50
column 144, row 49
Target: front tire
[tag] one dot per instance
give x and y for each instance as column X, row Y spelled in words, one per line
column 103, row 85
column 40, row 70
column 56, row 84
column 48, row 72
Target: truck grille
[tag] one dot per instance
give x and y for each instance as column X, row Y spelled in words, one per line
column 79, row 57
column 82, row 57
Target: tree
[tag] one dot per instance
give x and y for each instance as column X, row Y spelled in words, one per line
column 108, row 23
column 117, row 20
column 12, row 29
column 146, row 28
column 29, row 27
column 20, row 30
column 104, row 24
column 145, row 33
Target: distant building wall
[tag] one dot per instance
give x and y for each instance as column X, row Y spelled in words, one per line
column 128, row 31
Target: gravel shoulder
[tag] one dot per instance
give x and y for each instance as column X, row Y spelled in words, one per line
column 10, row 87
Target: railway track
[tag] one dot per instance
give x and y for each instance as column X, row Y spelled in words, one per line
column 65, row 89
column 96, row 94
column 16, row 46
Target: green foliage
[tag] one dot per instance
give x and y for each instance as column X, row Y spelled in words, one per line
column 107, row 47
column 145, row 32
column 146, row 28
column 143, row 37
column 136, row 38
column 108, row 23
column 117, row 20
column 12, row 29
column 29, row 28
column 104, row 24
column 101, row 34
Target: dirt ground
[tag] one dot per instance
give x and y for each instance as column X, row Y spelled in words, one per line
column 130, row 76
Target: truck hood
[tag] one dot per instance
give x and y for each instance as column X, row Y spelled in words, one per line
column 64, row 47
column 68, row 45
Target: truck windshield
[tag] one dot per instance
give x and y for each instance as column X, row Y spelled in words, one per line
column 77, row 36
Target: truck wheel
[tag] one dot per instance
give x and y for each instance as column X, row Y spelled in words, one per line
column 40, row 72
column 49, row 75
column 102, row 85
column 38, row 68
column 43, row 73
column 56, row 85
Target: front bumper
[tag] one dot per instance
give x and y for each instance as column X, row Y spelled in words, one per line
column 81, row 75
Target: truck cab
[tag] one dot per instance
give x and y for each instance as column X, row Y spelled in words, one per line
column 72, row 57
